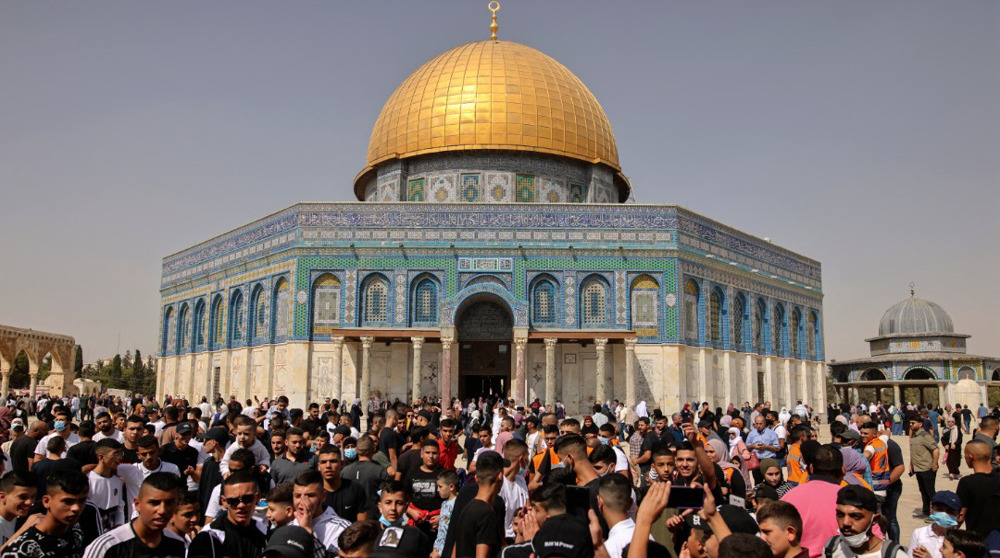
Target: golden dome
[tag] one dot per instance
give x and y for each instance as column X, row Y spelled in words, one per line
column 493, row 95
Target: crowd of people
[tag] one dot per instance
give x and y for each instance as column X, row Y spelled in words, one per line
column 486, row 478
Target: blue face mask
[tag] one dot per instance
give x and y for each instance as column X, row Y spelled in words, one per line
column 59, row 425
column 386, row 522
column 351, row 453
column 944, row 519
column 559, row 465
column 603, row 440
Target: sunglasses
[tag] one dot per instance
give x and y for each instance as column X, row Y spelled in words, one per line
column 245, row 499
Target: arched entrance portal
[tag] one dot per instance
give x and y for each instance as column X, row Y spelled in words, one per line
column 485, row 331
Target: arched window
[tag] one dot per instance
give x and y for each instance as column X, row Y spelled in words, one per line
column 715, row 317
column 183, row 330
column 811, row 335
column 236, row 319
column 281, row 317
column 425, row 302
column 645, row 305
column 216, row 335
column 777, row 327
column 739, row 320
column 595, row 302
column 200, row 324
column 169, row 337
column 326, row 301
column 793, row 333
column 376, row 305
column 759, row 313
column 543, row 302
column 258, row 316
column 692, row 302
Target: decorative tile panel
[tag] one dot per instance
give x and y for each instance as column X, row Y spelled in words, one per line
column 350, row 294
column 400, row 288
column 503, row 265
column 620, row 293
column 525, row 191
column 472, row 189
column 416, row 190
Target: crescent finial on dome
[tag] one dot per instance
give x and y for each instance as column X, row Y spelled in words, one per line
column 494, row 7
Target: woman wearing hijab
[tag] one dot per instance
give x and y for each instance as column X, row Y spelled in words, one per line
column 951, row 439
column 773, row 476
column 356, row 415
column 734, row 486
column 739, row 452
column 784, row 415
column 641, row 411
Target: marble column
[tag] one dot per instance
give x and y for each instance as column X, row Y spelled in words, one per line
column 727, row 382
column 418, row 345
column 366, row 369
column 5, row 372
column 750, row 379
column 517, row 391
column 804, row 383
column 702, row 376
column 337, row 381
column 550, row 370
column 630, row 388
column 601, row 369
column 897, row 396
column 33, row 374
column 446, row 343
column 786, row 371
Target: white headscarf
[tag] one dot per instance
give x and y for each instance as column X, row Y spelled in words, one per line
column 640, row 409
column 734, row 442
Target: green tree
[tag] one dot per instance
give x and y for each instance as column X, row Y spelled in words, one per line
column 19, row 373
column 115, row 373
column 137, row 366
column 78, row 362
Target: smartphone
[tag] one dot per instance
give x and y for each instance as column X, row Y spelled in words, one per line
column 686, row 498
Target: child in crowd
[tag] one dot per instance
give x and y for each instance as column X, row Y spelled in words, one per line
column 781, row 528
column 280, row 507
column 926, row 542
column 962, row 544
column 447, row 486
column 17, row 495
column 246, row 438
column 184, row 523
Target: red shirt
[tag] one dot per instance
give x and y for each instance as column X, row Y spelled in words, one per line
column 449, row 452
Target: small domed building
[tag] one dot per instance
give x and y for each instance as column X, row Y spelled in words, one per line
column 492, row 252
column 917, row 348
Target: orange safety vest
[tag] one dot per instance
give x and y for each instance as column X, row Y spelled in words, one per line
column 796, row 470
column 860, row 479
column 879, row 462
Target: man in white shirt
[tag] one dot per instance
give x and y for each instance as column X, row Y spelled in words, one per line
column 106, row 489
column 105, row 429
column 614, row 498
column 60, row 427
column 514, row 490
column 309, row 499
column 149, row 462
column 17, row 494
column 856, row 510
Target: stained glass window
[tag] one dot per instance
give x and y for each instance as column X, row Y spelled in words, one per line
column 793, row 332
column 257, row 318
column 543, row 301
column 595, row 304
column 811, row 335
column 217, row 331
column 282, row 309
column 739, row 320
column 759, row 311
column 169, row 337
column 777, row 325
column 200, row 324
column 326, row 301
column 236, row 317
column 715, row 317
column 184, row 329
column 376, row 305
column 425, row 303
column 691, row 303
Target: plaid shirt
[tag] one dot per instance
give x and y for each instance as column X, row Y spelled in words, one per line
column 635, row 445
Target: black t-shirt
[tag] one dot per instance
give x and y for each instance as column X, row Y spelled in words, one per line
column 424, row 487
column 980, row 495
column 183, row 458
column 83, row 452
column 895, row 454
column 20, row 450
column 389, row 439
column 211, row 477
column 122, row 542
column 649, row 442
column 477, row 524
column 131, row 455
column 466, row 495
column 36, row 544
column 407, row 461
column 349, row 500
column 238, row 542
column 593, row 487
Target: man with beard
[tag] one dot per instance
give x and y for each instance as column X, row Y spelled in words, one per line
column 146, row 535
column 857, row 508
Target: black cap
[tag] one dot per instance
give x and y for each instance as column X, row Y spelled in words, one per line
column 563, row 535
column 290, row 541
column 184, row 428
column 735, row 517
column 492, row 459
column 426, row 415
column 857, row 496
column 402, row 542
column 220, row 435
column 768, row 492
column 295, row 413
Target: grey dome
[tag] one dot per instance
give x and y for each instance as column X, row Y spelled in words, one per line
column 913, row 316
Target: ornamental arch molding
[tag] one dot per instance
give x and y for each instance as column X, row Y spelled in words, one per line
column 451, row 309
column 36, row 345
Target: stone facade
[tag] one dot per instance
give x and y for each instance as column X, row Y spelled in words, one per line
column 36, row 345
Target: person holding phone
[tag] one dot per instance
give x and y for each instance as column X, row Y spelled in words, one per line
column 762, row 441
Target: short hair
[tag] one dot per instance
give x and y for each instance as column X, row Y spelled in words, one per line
column 607, row 427
column 783, row 515
column 744, row 545
column 451, row 423
column 570, row 422
column 239, row 477
column 660, row 450
column 195, row 411
column 56, row 444
column 161, row 481
column 447, row 476
column 365, row 446
column 603, row 454
column 988, row 422
column 170, row 412
column 968, row 543
column 484, row 428
column 573, row 443
column 837, row 428
column 283, row 399
column 550, row 429
column 551, row 496
column 244, row 420
column 147, row 441
column 828, row 461
column 294, row 431
column 278, row 433
column 869, row 426
column 281, row 494
column 70, row 481
column 189, row 498
column 135, row 419
column 15, row 478
column 800, row 431
column 392, row 487
column 428, row 443
column 313, row 405
column 103, row 414
column 244, row 456
column 643, row 419
column 87, row 429
column 309, row 477
column 359, row 535
column 108, row 445
column 514, row 448
column 616, row 491
column 509, row 421
column 418, row 433
column 329, row 448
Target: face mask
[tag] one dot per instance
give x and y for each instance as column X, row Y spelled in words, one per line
column 386, row 522
column 603, row 440
column 944, row 519
column 559, row 465
column 59, row 425
column 351, row 453
column 857, row 541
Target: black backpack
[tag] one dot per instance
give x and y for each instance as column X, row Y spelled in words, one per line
column 889, row 547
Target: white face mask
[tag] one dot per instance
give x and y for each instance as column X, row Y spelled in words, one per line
column 857, row 541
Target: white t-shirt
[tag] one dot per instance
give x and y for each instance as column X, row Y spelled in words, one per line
column 621, row 463
column 925, row 537
column 107, row 493
column 515, row 496
column 158, row 427
column 327, row 528
column 134, row 473
column 257, row 449
column 7, row 529
column 844, row 551
column 619, row 537
column 41, row 450
column 115, row 435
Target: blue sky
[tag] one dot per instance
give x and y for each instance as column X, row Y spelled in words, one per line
column 863, row 134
